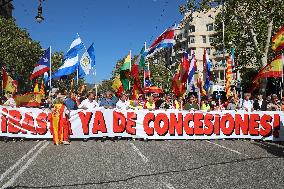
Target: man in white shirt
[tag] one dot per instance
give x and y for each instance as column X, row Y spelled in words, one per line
column 122, row 104
column 88, row 103
column 246, row 104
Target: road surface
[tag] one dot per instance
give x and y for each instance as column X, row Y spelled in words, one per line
column 139, row 164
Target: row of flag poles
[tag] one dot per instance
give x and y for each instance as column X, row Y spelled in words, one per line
column 187, row 77
column 71, row 63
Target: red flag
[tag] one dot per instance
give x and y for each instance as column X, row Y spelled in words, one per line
column 184, row 68
column 136, row 89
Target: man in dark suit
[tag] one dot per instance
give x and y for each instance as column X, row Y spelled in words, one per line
column 260, row 104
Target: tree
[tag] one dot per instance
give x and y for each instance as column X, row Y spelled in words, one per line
column 105, row 86
column 249, row 27
column 18, row 52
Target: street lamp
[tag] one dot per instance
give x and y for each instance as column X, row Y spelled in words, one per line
column 39, row 18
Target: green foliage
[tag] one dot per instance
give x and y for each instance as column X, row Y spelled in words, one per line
column 249, row 27
column 18, row 52
column 105, row 86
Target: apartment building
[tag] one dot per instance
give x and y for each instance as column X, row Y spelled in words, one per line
column 197, row 35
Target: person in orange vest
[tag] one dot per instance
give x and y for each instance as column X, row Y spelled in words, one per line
column 60, row 124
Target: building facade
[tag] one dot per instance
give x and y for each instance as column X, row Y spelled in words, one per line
column 196, row 34
column 6, row 8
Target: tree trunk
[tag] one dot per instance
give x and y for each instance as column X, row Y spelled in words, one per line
column 265, row 56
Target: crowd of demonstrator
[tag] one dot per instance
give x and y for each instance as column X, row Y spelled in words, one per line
column 89, row 101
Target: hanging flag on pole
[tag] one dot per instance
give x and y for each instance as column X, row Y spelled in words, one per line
column 278, row 40
column 43, row 65
column 207, row 65
column 184, row 68
column 9, row 84
column 87, row 61
column 273, row 69
column 165, row 40
column 70, row 59
column 229, row 77
column 141, row 59
column 192, row 70
column 117, row 85
column 125, row 72
column 147, row 80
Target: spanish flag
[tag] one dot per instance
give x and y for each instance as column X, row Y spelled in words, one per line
column 273, row 69
column 278, row 40
column 9, row 85
column 32, row 99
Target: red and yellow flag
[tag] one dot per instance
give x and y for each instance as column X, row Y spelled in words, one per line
column 278, row 40
column 36, row 88
column 9, row 85
column 229, row 77
column 273, row 69
column 32, row 99
column 117, row 85
column 42, row 87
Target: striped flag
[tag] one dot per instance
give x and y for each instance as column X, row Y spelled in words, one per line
column 229, row 77
column 43, row 65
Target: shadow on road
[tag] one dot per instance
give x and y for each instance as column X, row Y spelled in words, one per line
column 149, row 175
column 276, row 149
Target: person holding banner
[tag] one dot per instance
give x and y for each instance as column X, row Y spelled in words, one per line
column 89, row 102
column 259, row 104
column 246, row 103
column 122, row 103
column 60, row 123
column 191, row 105
column 274, row 105
column 150, row 104
column 167, row 104
column 108, row 102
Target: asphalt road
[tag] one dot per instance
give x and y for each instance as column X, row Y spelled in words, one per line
column 138, row 164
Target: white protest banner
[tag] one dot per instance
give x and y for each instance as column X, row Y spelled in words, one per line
column 159, row 124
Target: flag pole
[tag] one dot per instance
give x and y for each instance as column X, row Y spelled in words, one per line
column 50, row 87
column 145, row 46
column 282, row 84
column 79, row 61
column 130, row 67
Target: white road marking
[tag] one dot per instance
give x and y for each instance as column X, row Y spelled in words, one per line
column 18, row 162
column 235, row 151
column 145, row 159
column 15, row 176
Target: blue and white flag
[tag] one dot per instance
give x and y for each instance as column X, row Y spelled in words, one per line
column 87, row 62
column 191, row 73
column 70, row 59
column 207, row 76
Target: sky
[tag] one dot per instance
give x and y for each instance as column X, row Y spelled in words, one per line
column 114, row 26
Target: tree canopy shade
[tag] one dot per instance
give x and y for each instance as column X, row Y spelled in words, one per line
column 18, row 52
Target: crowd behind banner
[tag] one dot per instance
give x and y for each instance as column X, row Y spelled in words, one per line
column 155, row 101
column 61, row 105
